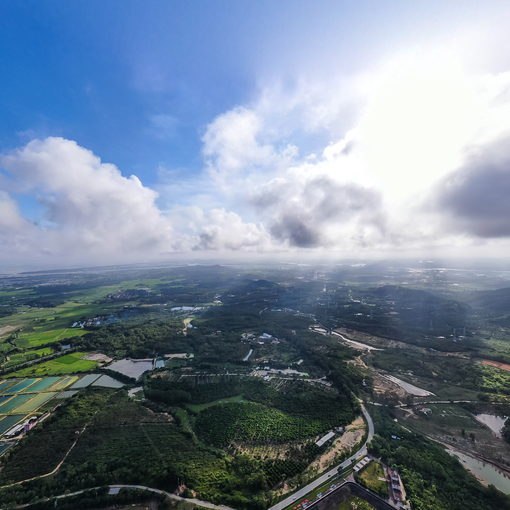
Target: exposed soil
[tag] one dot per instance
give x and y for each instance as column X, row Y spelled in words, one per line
column 352, row 435
column 8, row 329
column 503, row 366
column 387, row 388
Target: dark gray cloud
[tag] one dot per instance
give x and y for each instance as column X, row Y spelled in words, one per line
column 476, row 198
column 295, row 230
column 311, row 212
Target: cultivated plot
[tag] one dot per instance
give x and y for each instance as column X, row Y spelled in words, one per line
column 12, row 404
column 43, row 384
column 5, row 385
column 35, row 402
column 67, row 364
column 7, row 422
column 21, row 385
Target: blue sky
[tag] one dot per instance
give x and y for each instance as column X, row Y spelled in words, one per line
column 141, row 85
column 96, row 71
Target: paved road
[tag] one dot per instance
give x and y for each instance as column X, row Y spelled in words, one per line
column 199, row 502
column 301, row 493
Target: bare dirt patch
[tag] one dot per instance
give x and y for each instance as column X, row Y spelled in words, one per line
column 385, row 387
column 353, row 435
column 7, row 329
column 358, row 362
column 497, row 364
column 99, row 357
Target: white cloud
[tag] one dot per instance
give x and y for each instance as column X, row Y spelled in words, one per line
column 94, row 214
column 232, row 144
column 221, row 230
column 367, row 183
column 352, row 166
column 91, row 209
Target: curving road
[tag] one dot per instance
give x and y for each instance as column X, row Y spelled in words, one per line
column 301, row 493
column 278, row 506
column 199, row 502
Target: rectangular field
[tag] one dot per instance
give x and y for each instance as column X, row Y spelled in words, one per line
column 9, row 421
column 43, row 384
column 64, row 382
column 20, row 386
column 10, row 405
column 35, row 402
column 4, row 385
column 42, row 337
column 106, row 381
column 373, row 477
column 22, row 357
column 85, row 381
column 67, row 364
column 131, row 367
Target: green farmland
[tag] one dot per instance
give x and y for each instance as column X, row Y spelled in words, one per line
column 355, row 503
column 35, row 402
column 42, row 337
column 29, row 396
column 67, row 364
column 222, row 424
column 372, row 476
column 22, row 357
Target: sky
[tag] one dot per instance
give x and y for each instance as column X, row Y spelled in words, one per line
column 147, row 131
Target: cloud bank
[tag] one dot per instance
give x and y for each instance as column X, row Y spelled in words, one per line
column 415, row 156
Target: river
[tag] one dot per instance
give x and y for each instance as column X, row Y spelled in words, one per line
column 483, row 470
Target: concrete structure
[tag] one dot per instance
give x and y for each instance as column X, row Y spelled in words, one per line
column 325, row 438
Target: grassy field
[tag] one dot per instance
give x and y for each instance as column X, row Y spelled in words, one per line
column 200, row 407
column 444, row 419
column 371, row 477
column 42, row 336
column 354, row 503
column 68, row 364
column 22, row 357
